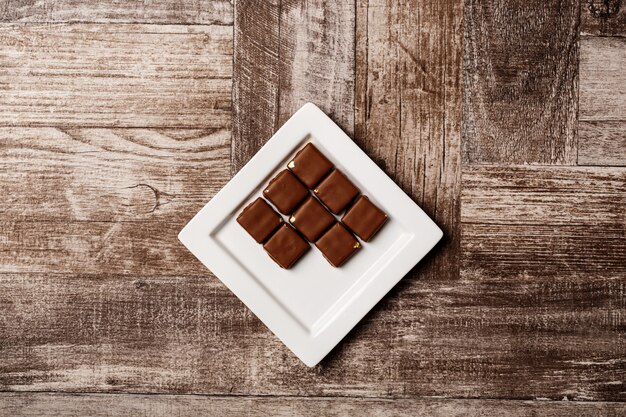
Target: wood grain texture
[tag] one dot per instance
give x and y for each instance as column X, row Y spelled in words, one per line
column 602, row 126
column 97, row 295
column 541, row 299
column 520, row 81
column 603, row 79
column 105, row 200
column 602, row 143
column 287, row 53
column 408, row 108
column 317, row 59
column 483, row 336
column 118, row 11
column 603, row 17
column 110, row 175
column 557, row 222
column 52, row 405
column 131, row 248
column 115, row 75
column 255, row 77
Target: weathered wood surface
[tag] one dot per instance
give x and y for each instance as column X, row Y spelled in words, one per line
column 602, row 126
column 288, row 53
column 118, row 11
column 97, row 295
column 520, row 81
column 540, row 300
column 478, row 337
column 255, row 77
column 52, row 405
column 115, row 75
column 105, row 200
column 110, row 175
column 408, row 109
column 544, row 222
column 131, row 248
column 603, row 17
column 602, row 143
column 603, row 79
column 317, row 58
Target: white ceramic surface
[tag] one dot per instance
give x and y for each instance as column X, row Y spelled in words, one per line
column 311, row 306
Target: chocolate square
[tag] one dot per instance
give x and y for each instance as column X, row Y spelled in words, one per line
column 259, row 219
column 336, row 191
column 286, row 246
column 285, row 192
column 337, row 245
column 309, row 165
column 311, row 219
column 364, row 219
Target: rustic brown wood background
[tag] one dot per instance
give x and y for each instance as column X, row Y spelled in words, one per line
column 504, row 120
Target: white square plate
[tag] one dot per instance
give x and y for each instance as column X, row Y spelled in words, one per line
column 313, row 305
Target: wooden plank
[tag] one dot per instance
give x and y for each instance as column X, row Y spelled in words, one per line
column 408, row 108
column 110, row 175
column 94, row 200
column 118, row 11
column 559, row 196
column 602, row 79
column 115, row 75
column 317, row 59
column 51, row 405
column 560, row 222
column 85, row 247
column 255, row 77
column 603, row 18
column 602, row 128
column 602, row 143
column 490, row 337
column 288, row 53
column 520, row 82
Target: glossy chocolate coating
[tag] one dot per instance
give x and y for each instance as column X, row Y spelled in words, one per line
column 259, row 219
column 311, row 219
column 286, row 246
column 337, row 245
column 364, row 218
column 309, row 165
column 285, row 192
column 336, row 191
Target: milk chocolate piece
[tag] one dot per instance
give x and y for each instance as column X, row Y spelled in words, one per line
column 259, row 220
column 364, row 219
column 285, row 192
column 336, row 191
column 337, row 245
column 309, row 165
column 311, row 219
column 286, row 246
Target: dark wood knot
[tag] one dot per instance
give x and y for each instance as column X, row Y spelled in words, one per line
column 605, row 10
column 140, row 284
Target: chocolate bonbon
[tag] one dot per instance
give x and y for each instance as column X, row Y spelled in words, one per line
column 337, row 245
column 285, row 192
column 259, row 219
column 286, row 246
column 336, row 191
column 310, row 165
column 364, row 218
column 311, row 219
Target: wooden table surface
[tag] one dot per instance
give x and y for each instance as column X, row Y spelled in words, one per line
column 504, row 120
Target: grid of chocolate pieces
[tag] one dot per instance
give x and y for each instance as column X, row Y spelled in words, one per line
column 310, row 218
